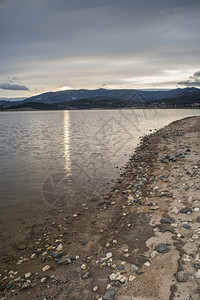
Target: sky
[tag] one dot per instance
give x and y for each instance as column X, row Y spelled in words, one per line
column 48, row 45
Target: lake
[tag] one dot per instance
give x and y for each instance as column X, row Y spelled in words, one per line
column 54, row 159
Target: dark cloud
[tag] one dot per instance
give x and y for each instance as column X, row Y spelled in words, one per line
column 44, row 41
column 13, row 87
column 192, row 81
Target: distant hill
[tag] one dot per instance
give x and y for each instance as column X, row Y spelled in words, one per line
column 11, row 101
column 125, row 94
column 102, row 98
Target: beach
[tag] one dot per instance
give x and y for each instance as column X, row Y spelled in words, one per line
column 140, row 242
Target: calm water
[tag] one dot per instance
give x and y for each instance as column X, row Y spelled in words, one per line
column 60, row 157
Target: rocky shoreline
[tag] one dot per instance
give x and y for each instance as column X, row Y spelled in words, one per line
column 140, row 242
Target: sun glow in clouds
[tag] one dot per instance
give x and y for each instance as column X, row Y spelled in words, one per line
column 65, row 88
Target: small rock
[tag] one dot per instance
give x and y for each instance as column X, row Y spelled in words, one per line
column 27, row 275
column 109, row 255
column 59, row 248
column 166, row 220
column 147, row 264
column 86, row 275
column 175, row 210
column 198, row 219
column 46, row 268
column 25, row 285
column 58, row 254
column 162, row 248
column 64, row 261
column 95, row 288
column 110, row 294
column 197, row 274
column 113, row 277
column 186, row 226
column 131, row 277
column 133, row 268
column 83, row 267
column 182, row 276
column 186, row 210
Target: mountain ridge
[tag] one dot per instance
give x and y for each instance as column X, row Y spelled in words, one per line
column 130, row 95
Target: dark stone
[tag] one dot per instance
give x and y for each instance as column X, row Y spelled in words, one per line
column 110, row 294
column 198, row 219
column 139, row 273
column 186, row 226
column 182, row 276
column 121, row 267
column 73, row 257
column 64, row 261
column 2, row 287
column 185, row 210
column 162, row 248
column 83, row 243
column 197, row 266
column 58, row 254
column 9, row 286
column 165, row 220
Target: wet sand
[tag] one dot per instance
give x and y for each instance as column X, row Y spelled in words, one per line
column 105, row 249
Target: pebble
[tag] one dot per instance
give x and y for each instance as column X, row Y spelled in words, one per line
column 133, row 268
column 83, row 267
column 95, row 288
column 64, row 261
column 46, row 268
column 59, row 248
column 166, row 220
column 131, row 277
column 27, row 275
column 162, row 248
column 25, row 285
column 175, row 210
column 113, row 277
column 182, row 276
column 197, row 274
column 109, row 255
column 86, row 275
column 186, row 210
column 110, row 294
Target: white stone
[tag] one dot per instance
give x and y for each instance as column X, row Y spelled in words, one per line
column 195, row 236
column 43, row 279
column 83, row 266
column 197, row 274
column 95, row 288
column 59, row 248
column 175, row 210
column 131, row 277
column 46, row 268
column 147, row 264
column 27, row 275
column 109, row 255
column 113, row 277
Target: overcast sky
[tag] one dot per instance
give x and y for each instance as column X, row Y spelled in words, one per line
column 49, row 45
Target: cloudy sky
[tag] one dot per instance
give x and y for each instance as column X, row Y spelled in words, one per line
column 50, row 45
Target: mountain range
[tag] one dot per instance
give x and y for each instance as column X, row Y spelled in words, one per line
column 103, row 98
